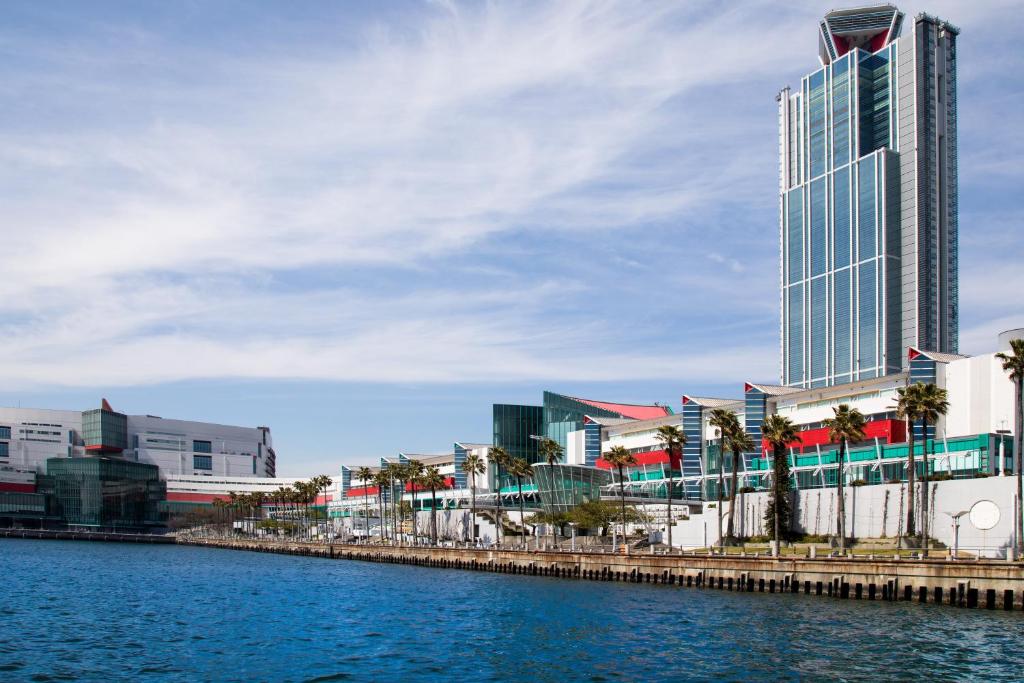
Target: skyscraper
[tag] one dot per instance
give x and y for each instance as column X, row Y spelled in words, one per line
column 868, row 199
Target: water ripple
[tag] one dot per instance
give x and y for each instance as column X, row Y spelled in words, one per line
column 100, row 612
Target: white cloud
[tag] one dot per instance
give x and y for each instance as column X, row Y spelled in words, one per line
column 161, row 221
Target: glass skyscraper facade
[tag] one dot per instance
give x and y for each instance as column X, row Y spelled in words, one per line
column 868, row 199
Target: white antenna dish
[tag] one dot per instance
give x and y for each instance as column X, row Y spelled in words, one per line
column 984, row 515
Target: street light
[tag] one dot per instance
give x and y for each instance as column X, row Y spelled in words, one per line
column 1003, row 433
column 956, row 531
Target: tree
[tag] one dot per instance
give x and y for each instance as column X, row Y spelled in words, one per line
column 394, row 471
column 381, row 480
column 779, row 431
column 473, row 465
column 739, row 442
column 433, row 479
column 600, row 515
column 499, row 458
column 846, row 426
column 673, row 438
column 550, row 451
column 908, row 407
column 621, row 458
column 365, row 475
column 413, row 472
column 934, row 404
column 725, row 421
column 520, row 469
column 1013, row 363
column 323, row 482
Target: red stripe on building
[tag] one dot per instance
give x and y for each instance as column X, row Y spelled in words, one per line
column 14, row 487
column 364, row 491
column 886, row 431
column 647, row 458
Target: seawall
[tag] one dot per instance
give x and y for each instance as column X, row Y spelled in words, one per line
column 975, row 584
column 65, row 535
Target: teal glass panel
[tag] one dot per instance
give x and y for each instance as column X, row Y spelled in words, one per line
column 794, row 234
column 816, row 120
column 841, row 218
column 795, row 326
column 841, row 112
column 819, row 348
column 867, row 197
column 819, row 255
column 867, row 316
column 843, row 316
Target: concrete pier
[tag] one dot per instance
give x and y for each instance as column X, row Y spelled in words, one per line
column 975, row 584
column 66, row 535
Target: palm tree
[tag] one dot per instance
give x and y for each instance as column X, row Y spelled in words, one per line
column 726, row 422
column 433, row 480
column 846, row 426
column 381, row 480
column 498, row 457
column 520, row 469
column 414, row 471
column 322, row 482
column 394, row 471
column 550, row 451
column 934, row 404
column 365, row 474
column 779, row 431
column 674, row 439
column 620, row 458
column 739, row 442
column 908, row 407
column 473, row 465
column 1013, row 363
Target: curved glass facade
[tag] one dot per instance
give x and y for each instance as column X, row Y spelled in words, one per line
column 563, row 487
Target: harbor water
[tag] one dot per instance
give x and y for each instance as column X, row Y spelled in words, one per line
column 110, row 611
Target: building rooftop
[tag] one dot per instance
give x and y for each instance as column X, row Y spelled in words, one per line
column 713, row 402
column 631, row 410
column 869, row 28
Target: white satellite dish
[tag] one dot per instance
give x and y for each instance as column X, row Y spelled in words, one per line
column 984, row 515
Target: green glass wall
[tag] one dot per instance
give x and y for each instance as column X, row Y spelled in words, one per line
column 513, row 426
column 105, row 430
column 107, row 493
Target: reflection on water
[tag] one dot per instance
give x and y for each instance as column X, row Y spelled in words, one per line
column 91, row 611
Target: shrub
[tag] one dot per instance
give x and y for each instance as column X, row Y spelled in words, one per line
column 858, row 482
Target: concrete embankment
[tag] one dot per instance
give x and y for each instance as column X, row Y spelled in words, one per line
column 64, row 535
column 984, row 584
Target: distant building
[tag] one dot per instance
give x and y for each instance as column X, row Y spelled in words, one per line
column 29, row 437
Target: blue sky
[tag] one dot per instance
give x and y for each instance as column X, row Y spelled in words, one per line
column 363, row 223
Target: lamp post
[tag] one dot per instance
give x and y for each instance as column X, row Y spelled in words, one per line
column 1003, row 433
column 956, row 532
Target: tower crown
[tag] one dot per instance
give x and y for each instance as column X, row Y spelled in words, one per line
column 869, row 28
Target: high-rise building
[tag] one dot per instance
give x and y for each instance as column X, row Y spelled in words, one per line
column 868, row 199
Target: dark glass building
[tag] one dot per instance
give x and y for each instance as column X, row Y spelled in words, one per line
column 105, row 493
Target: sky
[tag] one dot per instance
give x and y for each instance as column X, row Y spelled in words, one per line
column 363, row 223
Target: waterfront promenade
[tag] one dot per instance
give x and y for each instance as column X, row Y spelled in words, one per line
column 975, row 584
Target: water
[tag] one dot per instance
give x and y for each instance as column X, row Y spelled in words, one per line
column 95, row 611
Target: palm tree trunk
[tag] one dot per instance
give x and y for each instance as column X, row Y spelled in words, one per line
column 840, row 504
column 911, row 474
column 732, row 492
column 433, row 514
column 721, row 487
column 472, row 505
column 776, row 500
column 924, row 484
column 522, row 511
column 622, row 500
column 670, row 487
column 1017, row 453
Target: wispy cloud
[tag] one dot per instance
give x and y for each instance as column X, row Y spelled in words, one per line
column 461, row 192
